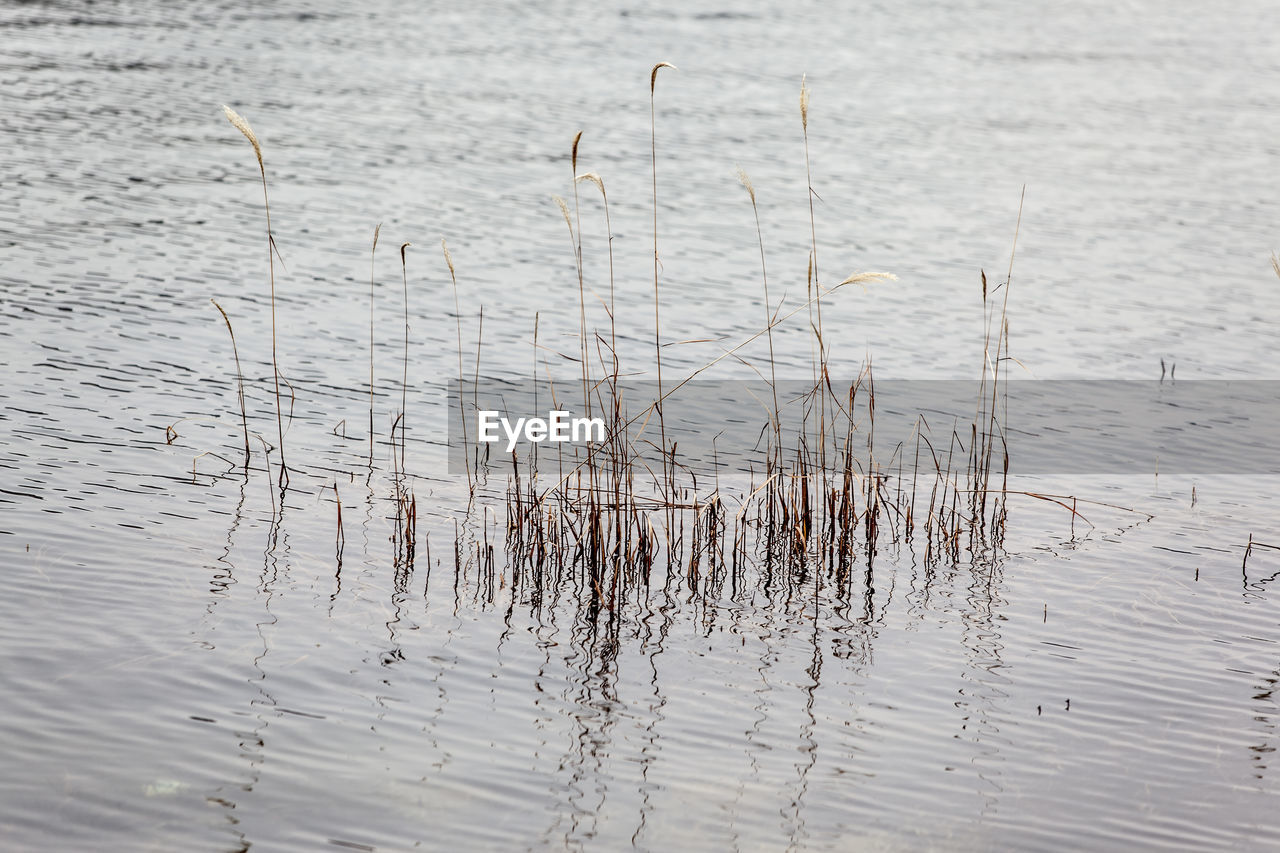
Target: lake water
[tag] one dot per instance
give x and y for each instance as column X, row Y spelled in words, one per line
column 189, row 665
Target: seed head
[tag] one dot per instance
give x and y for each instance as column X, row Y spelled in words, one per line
column 241, row 125
column 746, row 182
column 653, row 75
column 804, row 102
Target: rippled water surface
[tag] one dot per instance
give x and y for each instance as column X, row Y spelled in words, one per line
column 189, row 665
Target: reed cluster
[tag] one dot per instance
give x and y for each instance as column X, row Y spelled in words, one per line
column 820, row 504
column 816, row 510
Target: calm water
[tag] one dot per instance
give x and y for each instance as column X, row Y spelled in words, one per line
column 187, row 666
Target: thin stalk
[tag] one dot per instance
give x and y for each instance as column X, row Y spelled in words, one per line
column 808, row 177
column 372, row 254
column 582, row 295
column 241, row 125
column 533, row 467
column 244, row 420
column 457, row 313
column 582, row 313
column 657, row 323
column 768, row 306
column 1002, row 335
column 475, row 383
column 340, row 538
column 608, row 225
column 404, row 379
column 820, row 366
column 613, row 355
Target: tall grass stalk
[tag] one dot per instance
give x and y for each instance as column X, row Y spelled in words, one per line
column 373, row 252
column 475, row 381
column 808, row 179
column 576, row 234
column 768, row 305
column 608, row 225
column 239, row 123
column 533, row 376
column 814, row 280
column 404, row 379
column 462, row 410
column 613, row 406
column 1004, row 323
column 657, row 322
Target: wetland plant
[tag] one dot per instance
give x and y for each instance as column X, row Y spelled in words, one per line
column 244, row 419
column 815, row 513
column 373, row 251
column 457, row 315
column 404, row 379
column 657, row 322
column 241, row 125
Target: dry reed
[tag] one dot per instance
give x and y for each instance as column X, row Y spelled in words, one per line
column 244, row 418
column 242, row 125
column 824, row 503
column 404, row 378
column 373, row 251
column 457, row 313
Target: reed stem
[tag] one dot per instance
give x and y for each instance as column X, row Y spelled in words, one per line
column 244, row 419
column 404, row 379
column 657, row 323
column 462, row 409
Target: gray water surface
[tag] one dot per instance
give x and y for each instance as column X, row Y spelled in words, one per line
column 187, row 665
